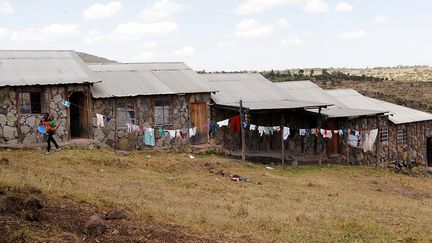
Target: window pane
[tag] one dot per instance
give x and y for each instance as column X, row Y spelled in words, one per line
column 45, row 102
column 167, row 115
column 121, row 115
column 131, row 117
column 35, row 102
column 25, row 103
column 158, row 115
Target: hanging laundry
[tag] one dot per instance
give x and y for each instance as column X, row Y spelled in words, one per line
column 341, row 133
column 326, row 133
column 223, row 123
column 245, row 125
column 178, row 134
column 269, row 130
column 192, row 132
column 135, row 128
column 261, row 130
column 107, row 119
column 172, row 133
column 149, row 137
column 308, row 132
column 252, row 127
column 353, row 140
column 336, row 132
column 161, row 132
column 314, row 131
column 369, row 140
column 235, row 124
column 129, row 127
column 302, row 132
column 100, row 120
column 213, row 128
column 286, row 133
column 66, row 103
column 277, row 128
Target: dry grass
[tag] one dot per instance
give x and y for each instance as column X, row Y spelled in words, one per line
column 306, row 204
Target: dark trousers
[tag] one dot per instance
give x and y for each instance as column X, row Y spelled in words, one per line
column 50, row 139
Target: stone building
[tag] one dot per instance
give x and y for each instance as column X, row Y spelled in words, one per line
column 404, row 133
column 32, row 82
column 170, row 96
column 265, row 105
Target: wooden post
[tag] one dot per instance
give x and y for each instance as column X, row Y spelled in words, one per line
column 243, row 135
column 282, row 138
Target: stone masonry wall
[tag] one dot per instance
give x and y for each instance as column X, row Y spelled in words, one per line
column 295, row 146
column 21, row 129
column 144, row 115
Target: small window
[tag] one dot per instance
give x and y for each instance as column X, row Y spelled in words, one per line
column 383, row 135
column 33, row 102
column 162, row 112
column 125, row 114
column 402, row 138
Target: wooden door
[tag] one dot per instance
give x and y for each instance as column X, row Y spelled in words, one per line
column 198, row 113
column 333, row 145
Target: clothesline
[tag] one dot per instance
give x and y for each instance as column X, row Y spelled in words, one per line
column 358, row 139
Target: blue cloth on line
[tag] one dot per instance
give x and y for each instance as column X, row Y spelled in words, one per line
column 149, row 137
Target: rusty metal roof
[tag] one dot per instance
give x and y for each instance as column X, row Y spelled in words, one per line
column 256, row 92
column 22, row 68
column 133, row 79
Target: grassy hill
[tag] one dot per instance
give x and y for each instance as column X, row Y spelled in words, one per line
column 89, row 58
column 171, row 197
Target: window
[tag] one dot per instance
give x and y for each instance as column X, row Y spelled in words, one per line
column 402, row 137
column 162, row 112
column 33, row 102
column 125, row 114
column 383, row 135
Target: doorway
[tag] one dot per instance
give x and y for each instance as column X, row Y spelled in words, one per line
column 333, row 144
column 78, row 115
column 429, row 152
column 198, row 113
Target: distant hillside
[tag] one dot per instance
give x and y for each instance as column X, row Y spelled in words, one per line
column 399, row 73
column 89, row 58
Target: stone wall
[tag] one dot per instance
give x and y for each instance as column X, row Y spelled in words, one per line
column 295, row 146
column 21, row 129
column 119, row 137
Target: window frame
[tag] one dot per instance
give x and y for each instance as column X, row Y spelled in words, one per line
column 128, row 107
column 384, row 135
column 402, row 137
column 44, row 100
column 164, row 100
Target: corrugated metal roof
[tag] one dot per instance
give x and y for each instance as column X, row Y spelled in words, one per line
column 132, row 79
column 398, row 114
column 257, row 92
column 307, row 90
column 21, row 68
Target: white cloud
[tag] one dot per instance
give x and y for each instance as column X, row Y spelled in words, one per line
column 316, row 6
column 94, row 37
column 162, row 10
column 226, row 43
column 251, row 28
column 294, row 41
column 101, row 11
column 136, row 30
column 144, row 57
column 48, row 33
column 6, row 8
column 344, row 7
column 132, row 31
column 185, row 51
column 150, row 44
column 260, row 6
column 4, row 32
column 359, row 34
column 383, row 19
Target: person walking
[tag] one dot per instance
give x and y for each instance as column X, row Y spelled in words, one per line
column 50, row 124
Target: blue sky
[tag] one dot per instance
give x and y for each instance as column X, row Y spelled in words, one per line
column 227, row 35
